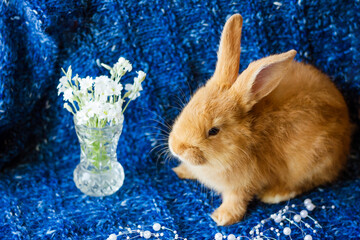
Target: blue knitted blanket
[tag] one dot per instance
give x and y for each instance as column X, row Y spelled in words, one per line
column 175, row 42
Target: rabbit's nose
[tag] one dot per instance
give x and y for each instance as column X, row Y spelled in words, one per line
column 176, row 147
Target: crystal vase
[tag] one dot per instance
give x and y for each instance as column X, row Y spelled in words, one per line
column 98, row 173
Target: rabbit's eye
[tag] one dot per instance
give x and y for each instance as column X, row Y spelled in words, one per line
column 213, row 131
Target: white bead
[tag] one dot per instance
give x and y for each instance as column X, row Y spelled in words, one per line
column 262, row 221
column 251, row 232
column 156, row 226
column 307, row 201
column 314, row 231
column 112, row 237
column 323, row 207
column 333, row 206
column 303, row 213
column 127, row 237
column 308, row 237
column 175, row 232
column 272, row 229
column 281, row 224
column 161, row 234
column 231, row 237
column 278, row 219
column 287, row 231
column 310, row 207
column 218, row 236
column 139, row 226
column 176, row 236
column 278, row 234
column 147, row 234
column 297, row 218
column 293, row 205
column 277, row 230
column 156, row 235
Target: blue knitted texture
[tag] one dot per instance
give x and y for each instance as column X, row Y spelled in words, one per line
column 175, row 42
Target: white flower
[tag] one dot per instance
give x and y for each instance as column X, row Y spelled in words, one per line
column 141, row 76
column 105, row 109
column 115, row 112
column 102, row 87
column 120, row 68
column 115, row 88
column 111, row 112
column 93, row 108
column 135, row 88
column 118, row 117
column 63, row 80
column 81, row 117
column 127, row 66
column 85, row 84
column 62, row 85
column 84, row 98
column 68, row 95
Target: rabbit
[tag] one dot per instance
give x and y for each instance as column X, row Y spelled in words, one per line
column 278, row 129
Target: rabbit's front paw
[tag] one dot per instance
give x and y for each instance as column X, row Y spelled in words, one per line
column 183, row 172
column 225, row 215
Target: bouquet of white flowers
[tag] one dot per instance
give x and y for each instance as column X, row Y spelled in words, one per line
column 98, row 102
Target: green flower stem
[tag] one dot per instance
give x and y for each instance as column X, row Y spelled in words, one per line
column 98, row 151
column 99, row 154
column 125, row 106
column 72, row 103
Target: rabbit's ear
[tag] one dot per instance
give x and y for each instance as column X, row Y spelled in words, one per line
column 227, row 67
column 261, row 78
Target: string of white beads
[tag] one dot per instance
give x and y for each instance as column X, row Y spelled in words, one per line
column 282, row 217
column 285, row 216
column 144, row 234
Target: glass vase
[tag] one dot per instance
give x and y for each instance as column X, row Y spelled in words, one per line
column 98, row 173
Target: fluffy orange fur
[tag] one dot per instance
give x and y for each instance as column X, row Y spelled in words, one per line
column 284, row 129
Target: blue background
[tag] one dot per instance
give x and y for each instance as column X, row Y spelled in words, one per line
column 175, row 42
